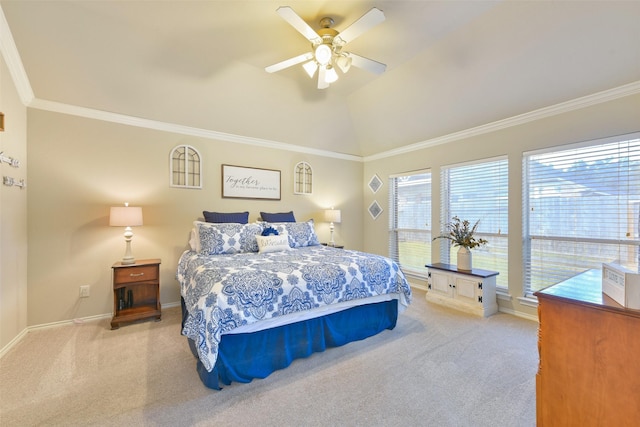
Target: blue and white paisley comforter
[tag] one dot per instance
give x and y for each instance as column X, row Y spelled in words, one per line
column 224, row 292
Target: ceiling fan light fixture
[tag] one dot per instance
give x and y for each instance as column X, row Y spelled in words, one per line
column 310, row 67
column 343, row 62
column 326, row 47
column 330, row 75
column 323, row 54
column 322, row 80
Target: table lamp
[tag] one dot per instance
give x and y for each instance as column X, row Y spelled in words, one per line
column 331, row 216
column 126, row 216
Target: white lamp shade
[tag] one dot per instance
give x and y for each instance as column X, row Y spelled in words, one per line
column 125, row 216
column 330, row 76
column 332, row 215
column 343, row 62
column 310, row 67
column 323, row 54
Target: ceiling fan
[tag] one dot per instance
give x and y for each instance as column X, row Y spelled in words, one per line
column 326, row 47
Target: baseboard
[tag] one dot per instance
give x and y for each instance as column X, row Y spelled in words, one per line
column 518, row 314
column 76, row 321
column 13, row 342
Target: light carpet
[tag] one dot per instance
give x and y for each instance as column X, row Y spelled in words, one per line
column 438, row 367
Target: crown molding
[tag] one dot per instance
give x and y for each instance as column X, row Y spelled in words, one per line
column 541, row 113
column 14, row 62
column 180, row 129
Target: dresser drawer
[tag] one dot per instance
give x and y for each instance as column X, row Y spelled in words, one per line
column 140, row 273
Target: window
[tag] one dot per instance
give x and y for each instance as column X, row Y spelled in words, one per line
column 185, row 166
column 581, row 208
column 303, row 178
column 479, row 191
column 410, row 214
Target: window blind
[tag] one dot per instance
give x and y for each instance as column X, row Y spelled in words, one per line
column 581, row 208
column 410, row 214
column 478, row 191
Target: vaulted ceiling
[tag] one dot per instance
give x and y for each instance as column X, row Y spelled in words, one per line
column 451, row 65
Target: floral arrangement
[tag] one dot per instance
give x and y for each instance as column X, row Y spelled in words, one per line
column 461, row 234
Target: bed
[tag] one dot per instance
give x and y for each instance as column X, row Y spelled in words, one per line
column 252, row 304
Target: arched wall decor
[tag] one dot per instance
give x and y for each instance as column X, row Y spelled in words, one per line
column 185, row 167
column 303, row 178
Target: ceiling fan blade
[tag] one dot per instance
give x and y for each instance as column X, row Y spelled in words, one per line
column 288, row 62
column 366, row 21
column 299, row 24
column 367, row 64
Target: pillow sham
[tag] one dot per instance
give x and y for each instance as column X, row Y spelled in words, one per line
column 300, row 234
column 193, row 241
column 278, row 217
column 227, row 238
column 273, row 243
column 222, row 217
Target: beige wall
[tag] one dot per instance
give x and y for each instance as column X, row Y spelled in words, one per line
column 13, row 214
column 80, row 167
column 608, row 119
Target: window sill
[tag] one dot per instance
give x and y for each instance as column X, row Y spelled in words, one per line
column 529, row 301
column 503, row 294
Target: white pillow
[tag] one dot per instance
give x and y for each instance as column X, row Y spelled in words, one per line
column 273, row 243
column 193, row 241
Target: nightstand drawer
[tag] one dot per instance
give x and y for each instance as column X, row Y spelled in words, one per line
column 140, row 273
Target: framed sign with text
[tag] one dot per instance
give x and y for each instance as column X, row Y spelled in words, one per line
column 241, row 182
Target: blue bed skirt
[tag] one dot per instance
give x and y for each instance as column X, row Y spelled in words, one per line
column 243, row 357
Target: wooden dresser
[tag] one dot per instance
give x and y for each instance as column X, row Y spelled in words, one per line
column 589, row 346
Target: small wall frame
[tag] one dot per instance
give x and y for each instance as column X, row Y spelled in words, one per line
column 185, row 167
column 375, row 183
column 303, row 178
column 375, row 210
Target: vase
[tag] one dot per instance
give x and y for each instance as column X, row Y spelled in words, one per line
column 464, row 259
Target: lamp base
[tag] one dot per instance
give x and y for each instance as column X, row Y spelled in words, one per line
column 128, row 257
column 331, row 242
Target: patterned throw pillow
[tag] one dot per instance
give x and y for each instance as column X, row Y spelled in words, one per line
column 301, row 234
column 229, row 238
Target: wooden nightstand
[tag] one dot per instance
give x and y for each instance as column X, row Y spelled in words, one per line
column 136, row 291
column 334, row 246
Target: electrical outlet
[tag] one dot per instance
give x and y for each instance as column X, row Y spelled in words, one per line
column 85, row 291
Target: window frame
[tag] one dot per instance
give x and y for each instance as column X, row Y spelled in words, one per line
column 493, row 249
column 528, row 237
column 418, row 271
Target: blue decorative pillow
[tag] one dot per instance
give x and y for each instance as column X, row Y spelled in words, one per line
column 278, row 217
column 269, row 231
column 300, row 234
column 222, row 217
column 228, row 238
